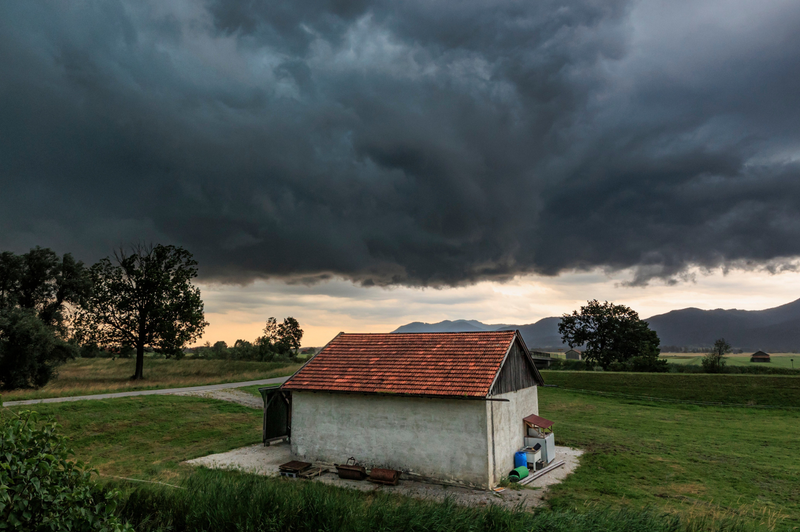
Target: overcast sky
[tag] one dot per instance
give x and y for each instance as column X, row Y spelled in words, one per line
column 449, row 152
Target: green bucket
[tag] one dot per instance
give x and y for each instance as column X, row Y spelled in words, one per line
column 518, row 474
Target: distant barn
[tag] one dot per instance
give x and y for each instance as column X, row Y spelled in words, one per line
column 573, row 354
column 760, row 356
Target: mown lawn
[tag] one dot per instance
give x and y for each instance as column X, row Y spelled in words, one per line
column 86, row 376
column 763, row 390
column 148, row 437
column 681, row 458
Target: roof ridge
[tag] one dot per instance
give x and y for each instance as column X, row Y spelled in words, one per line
column 455, row 364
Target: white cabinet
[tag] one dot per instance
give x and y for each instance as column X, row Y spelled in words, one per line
column 548, row 448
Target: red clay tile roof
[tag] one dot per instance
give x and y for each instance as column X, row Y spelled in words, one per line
column 436, row 364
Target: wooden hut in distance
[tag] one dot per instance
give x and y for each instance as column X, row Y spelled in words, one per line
column 573, row 354
column 760, row 356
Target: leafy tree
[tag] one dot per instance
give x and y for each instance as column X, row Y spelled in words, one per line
column 29, row 350
column 41, row 281
column 41, row 489
column 219, row 349
column 280, row 339
column 714, row 361
column 144, row 299
column 289, row 335
column 609, row 333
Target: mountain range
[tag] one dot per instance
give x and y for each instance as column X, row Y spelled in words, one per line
column 775, row 329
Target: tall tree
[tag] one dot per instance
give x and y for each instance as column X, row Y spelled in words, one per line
column 29, row 350
column 45, row 283
column 279, row 338
column 714, row 361
column 609, row 333
column 146, row 299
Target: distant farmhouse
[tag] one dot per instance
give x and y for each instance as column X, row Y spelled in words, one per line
column 573, row 354
column 760, row 356
column 446, row 406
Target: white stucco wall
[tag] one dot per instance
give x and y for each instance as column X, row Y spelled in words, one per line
column 438, row 438
column 504, row 421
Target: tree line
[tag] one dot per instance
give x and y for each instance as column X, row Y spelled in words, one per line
column 54, row 308
column 278, row 341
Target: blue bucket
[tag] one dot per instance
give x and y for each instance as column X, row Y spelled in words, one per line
column 520, row 459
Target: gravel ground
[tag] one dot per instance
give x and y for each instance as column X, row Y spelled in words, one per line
column 265, row 461
column 231, row 394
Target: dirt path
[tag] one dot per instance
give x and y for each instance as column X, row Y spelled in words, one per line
column 231, row 394
column 265, row 461
column 165, row 391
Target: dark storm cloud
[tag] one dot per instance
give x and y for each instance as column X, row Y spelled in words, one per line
column 414, row 143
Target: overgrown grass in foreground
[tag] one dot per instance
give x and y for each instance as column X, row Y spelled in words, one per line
column 682, row 458
column 764, row 390
column 147, row 437
column 228, row 501
column 86, row 376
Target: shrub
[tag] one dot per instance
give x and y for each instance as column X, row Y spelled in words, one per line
column 641, row 364
column 569, row 365
column 29, row 350
column 646, row 364
column 40, row 489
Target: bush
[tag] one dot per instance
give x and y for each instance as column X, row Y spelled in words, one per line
column 569, row 365
column 92, row 350
column 29, row 350
column 644, row 364
column 40, row 489
column 745, row 370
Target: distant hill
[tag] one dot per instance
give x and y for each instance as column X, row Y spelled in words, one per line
column 775, row 329
column 447, row 326
column 542, row 334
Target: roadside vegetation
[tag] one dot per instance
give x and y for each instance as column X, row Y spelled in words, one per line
column 104, row 375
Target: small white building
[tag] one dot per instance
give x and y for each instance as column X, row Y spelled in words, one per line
column 445, row 406
column 573, row 354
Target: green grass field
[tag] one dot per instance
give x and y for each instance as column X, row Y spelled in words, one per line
column 778, row 360
column 86, row 376
column 761, row 390
column 147, row 437
column 692, row 460
column 705, row 464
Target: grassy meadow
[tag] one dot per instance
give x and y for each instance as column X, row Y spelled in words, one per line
column 777, row 360
column 754, row 390
column 148, row 437
column 86, row 376
column 686, row 459
column 648, row 465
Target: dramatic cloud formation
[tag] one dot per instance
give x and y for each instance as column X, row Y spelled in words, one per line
column 419, row 143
